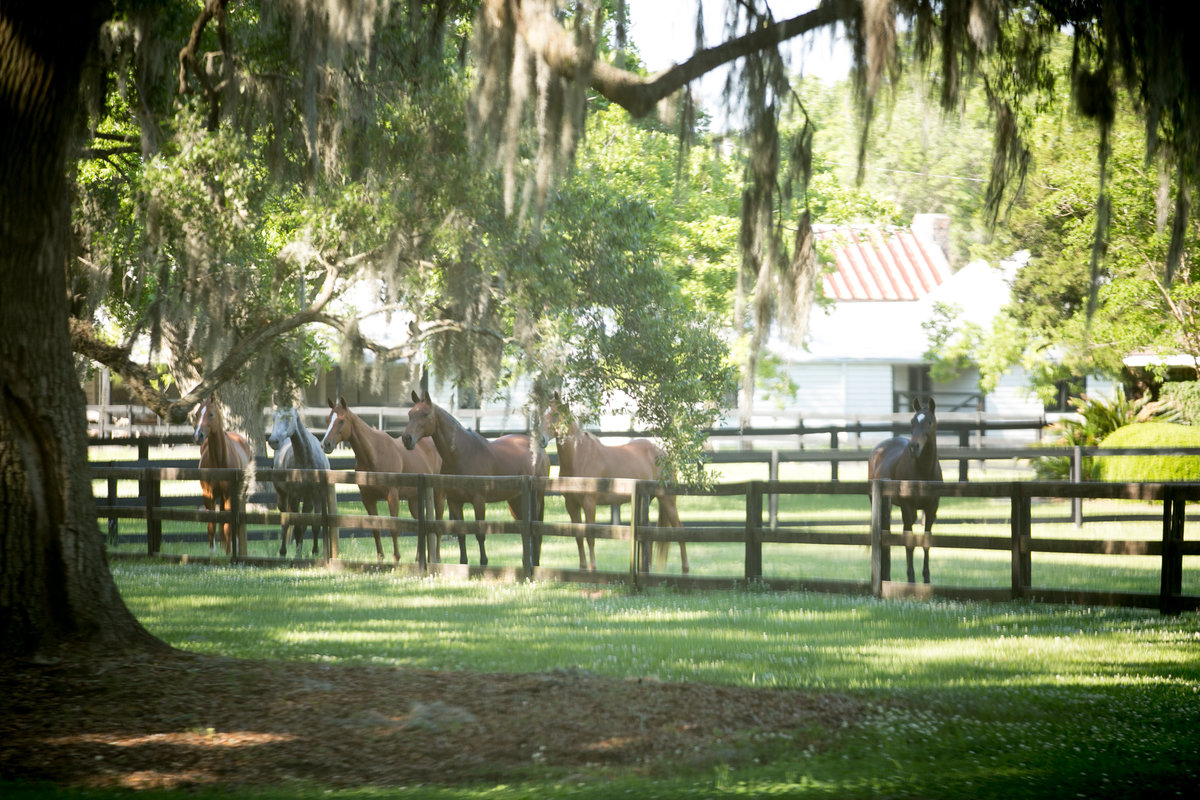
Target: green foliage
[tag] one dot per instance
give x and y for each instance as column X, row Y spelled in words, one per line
column 952, row 345
column 1137, row 309
column 1128, row 469
column 1097, row 418
column 1184, row 396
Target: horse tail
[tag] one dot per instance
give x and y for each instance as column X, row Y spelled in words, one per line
column 661, row 549
column 666, row 519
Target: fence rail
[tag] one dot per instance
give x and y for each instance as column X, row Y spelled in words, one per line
column 757, row 529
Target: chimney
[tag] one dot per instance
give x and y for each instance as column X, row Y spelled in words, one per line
column 933, row 229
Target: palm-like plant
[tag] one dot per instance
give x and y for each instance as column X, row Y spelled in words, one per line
column 1096, row 419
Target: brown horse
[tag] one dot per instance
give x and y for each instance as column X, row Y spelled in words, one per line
column 219, row 449
column 465, row 452
column 375, row 451
column 583, row 455
column 913, row 459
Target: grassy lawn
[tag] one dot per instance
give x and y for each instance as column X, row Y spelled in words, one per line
column 967, row 700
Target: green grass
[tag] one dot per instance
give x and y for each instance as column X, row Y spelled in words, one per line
column 969, row 700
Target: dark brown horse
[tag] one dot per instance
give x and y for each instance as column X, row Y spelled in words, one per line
column 219, row 449
column 582, row 455
column 912, row 459
column 376, row 451
column 465, row 452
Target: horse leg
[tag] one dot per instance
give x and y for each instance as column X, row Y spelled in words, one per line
column 573, row 511
column 210, row 505
column 318, row 507
column 372, row 507
column 393, row 500
column 285, row 506
column 480, row 514
column 227, row 528
column 910, row 517
column 456, row 514
column 930, row 515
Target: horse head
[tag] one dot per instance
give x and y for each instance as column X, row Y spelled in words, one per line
column 422, row 420
column 924, row 428
column 556, row 419
column 285, row 424
column 205, row 413
column 336, row 425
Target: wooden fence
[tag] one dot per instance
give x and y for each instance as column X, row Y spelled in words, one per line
column 758, row 528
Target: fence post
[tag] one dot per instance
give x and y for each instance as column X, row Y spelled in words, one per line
column 528, row 556
column 237, row 506
column 114, row 530
column 833, row 463
column 634, row 520
column 773, row 502
column 153, row 495
column 1020, row 522
column 754, row 512
column 881, row 567
column 332, row 531
column 964, row 441
column 1172, row 553
column 643, row 517
column 423, row 555
column 1077, row 477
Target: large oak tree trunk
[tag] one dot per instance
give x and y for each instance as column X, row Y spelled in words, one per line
column 55, row 585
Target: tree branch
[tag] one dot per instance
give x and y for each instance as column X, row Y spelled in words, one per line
column 639, row 94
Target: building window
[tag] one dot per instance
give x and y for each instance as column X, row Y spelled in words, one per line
column 1064, row 391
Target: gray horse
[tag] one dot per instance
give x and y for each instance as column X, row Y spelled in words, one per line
column 297, row 448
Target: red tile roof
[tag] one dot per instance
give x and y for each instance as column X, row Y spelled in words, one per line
column 874, row 264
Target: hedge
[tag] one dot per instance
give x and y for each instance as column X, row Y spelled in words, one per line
column 1129, row 469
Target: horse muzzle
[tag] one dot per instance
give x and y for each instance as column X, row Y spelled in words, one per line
column 409, row 442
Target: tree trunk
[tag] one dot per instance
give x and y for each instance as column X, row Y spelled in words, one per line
column 55, row 585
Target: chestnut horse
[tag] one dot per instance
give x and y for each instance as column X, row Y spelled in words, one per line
column 297, row 448
column 583, row 455
column 219, row 449
column 465, row 452
column 376, row 451
column 913, row 459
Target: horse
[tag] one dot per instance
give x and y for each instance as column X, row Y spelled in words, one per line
column 376, row 451
column 465, row 452
column 297, row 448
column 583, row 455
column 219, row 449
column 912, row 459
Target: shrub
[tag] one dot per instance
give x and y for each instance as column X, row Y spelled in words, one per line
column 1184, row 396
column 1127, row 469
column 1097, row 418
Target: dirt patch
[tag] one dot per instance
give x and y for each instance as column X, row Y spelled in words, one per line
column 178, row 719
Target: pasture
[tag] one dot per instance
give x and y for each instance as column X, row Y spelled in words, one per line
column 939, row 699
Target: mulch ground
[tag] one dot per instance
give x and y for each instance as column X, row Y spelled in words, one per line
column 177, row 720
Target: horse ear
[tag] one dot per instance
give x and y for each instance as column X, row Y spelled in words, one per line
column 415, row 398
column 425, row 397
column 331, row 403
column 931, row 405
column 916, row 403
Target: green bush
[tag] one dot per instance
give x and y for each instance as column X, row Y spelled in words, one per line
column 1126, row 469
column 1184, row 396
column 1095, row 419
